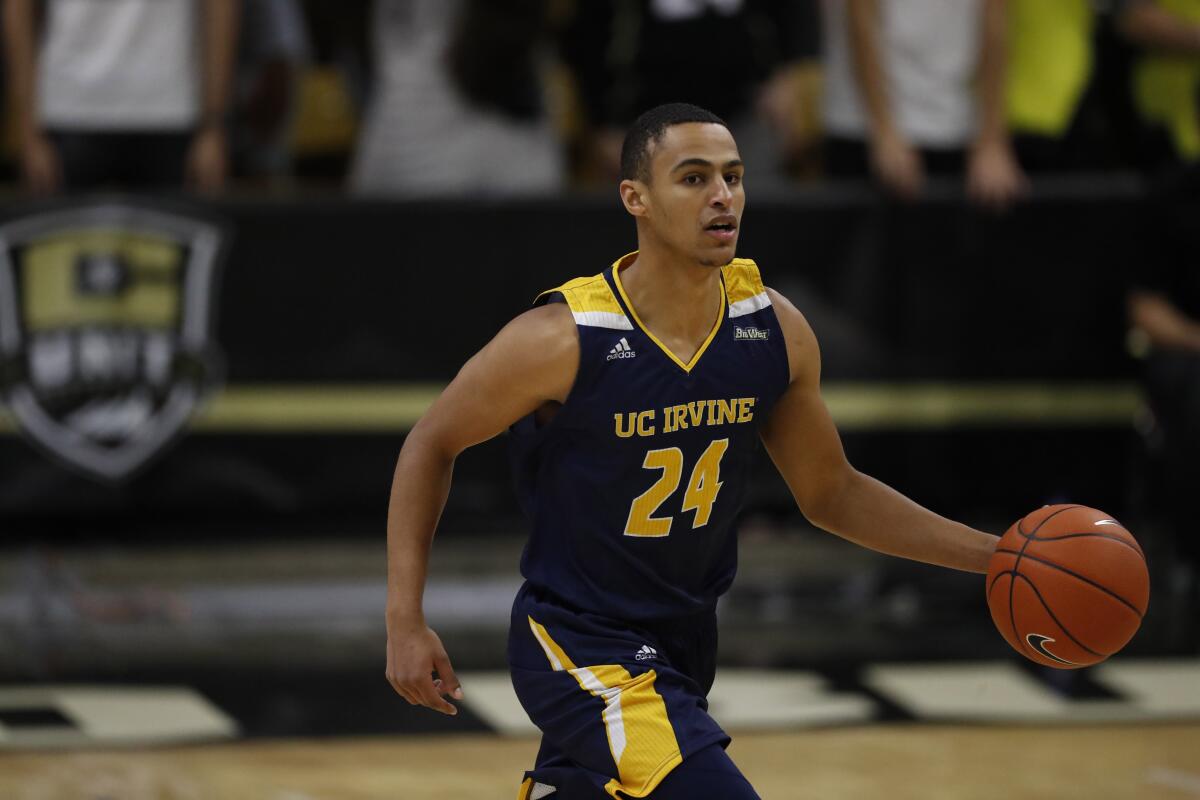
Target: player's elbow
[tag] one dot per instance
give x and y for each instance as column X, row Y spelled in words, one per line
column 824, row 502
column 425, row 443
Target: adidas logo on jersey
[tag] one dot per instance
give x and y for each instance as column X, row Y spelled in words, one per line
column 621, row 350
column 646, row 652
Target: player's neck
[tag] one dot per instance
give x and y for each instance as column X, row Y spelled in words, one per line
column 675, row 298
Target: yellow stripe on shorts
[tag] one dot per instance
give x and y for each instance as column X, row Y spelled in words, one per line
column 526, row 788
column 640, row 736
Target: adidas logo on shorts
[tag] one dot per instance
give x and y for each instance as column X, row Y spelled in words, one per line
column 621, row 350
column 646, row 652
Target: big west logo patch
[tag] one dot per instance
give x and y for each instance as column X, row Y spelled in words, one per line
column 105, row 335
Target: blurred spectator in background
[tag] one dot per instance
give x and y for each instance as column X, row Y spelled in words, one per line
column 1165, row 308
column 459, row 103
column 331, row 92
column 916, row 87
column 125, row 92
column 1069, row 107
column 272, row 50
column 1165, row 301
column 748, row 61
column 1166, row 79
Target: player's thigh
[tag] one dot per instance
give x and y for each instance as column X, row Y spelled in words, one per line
column 710, row 773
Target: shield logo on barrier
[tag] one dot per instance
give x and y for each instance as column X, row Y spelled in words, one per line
column 105, row 331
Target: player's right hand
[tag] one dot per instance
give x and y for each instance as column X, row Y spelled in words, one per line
column 414, row 653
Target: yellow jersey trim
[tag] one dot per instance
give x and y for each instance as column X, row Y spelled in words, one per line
column 742, row 280
column 592, row 303
column 640, row 737
column 703, row 347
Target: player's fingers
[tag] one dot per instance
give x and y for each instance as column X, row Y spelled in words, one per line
column 450, row 682
column 399, row 688
column 429, row 697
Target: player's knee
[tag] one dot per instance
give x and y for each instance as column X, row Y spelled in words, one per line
column 709, row 773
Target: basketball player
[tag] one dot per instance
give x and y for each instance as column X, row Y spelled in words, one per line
column 635, row 400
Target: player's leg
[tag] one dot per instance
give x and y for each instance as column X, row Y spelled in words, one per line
column 708, row 773
column 557, row 777
column 621, row 723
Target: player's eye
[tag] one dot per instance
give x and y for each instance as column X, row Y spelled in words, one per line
column 693, row 179
column 733, row 179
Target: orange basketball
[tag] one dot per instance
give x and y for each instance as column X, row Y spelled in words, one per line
column 1067, row 586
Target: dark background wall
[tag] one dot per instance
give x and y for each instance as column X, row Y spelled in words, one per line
column 344, row 295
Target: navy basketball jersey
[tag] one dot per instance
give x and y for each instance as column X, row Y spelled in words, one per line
column 634, row 486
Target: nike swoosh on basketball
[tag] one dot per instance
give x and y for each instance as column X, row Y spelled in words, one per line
column 1040, row 646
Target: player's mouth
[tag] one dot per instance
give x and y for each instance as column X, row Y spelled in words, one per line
column 722, row 228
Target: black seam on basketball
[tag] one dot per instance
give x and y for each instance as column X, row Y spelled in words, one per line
column 1061, row 627
column 1012, row 616
column 989, row 599
column 1088, row 581
column 1012, row 584
column 1097, row 534
column 1049, row 517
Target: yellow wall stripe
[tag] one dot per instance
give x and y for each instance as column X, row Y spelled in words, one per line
column 633, row 712
column 934, row 406
column 395, row 407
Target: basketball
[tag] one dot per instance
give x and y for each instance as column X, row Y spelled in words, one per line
column 1067, row 586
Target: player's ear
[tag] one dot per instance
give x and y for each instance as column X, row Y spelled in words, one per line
column 633, row 195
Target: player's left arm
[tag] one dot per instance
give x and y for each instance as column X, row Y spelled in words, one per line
column 804, row 444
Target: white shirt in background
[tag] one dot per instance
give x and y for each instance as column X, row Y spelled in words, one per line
column 118, row 65
column 930, row 54
column 422, row 138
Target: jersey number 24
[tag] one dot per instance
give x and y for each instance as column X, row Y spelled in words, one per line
column 700, row 495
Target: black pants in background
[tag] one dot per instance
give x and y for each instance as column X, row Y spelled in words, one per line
column 142, row 160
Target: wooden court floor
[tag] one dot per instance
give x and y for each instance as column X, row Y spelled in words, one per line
column 899, row 762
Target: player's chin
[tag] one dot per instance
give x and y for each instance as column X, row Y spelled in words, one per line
column 718, row 254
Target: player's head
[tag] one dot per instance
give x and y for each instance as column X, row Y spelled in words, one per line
column 681, row 177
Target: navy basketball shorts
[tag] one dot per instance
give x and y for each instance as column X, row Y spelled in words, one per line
column 620, row 705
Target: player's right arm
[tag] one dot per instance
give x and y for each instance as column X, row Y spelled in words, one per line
column 531, row 362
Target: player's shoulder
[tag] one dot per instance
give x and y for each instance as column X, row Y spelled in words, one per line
column 591, row 302
column 537, row 349
column 791, row 319
column 802, row 348
column 543, row 325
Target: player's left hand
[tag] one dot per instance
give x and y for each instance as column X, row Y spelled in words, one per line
column 994, row 178
column 414, row 653
column 207, row 160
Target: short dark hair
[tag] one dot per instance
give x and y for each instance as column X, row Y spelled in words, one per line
column 647, row 129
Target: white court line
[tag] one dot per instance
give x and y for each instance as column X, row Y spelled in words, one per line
column 1175, row 779
column 116, row 715
column 1164, row 688
column 740, row 700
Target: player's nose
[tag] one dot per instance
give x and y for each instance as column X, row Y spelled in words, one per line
column 721, row 196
